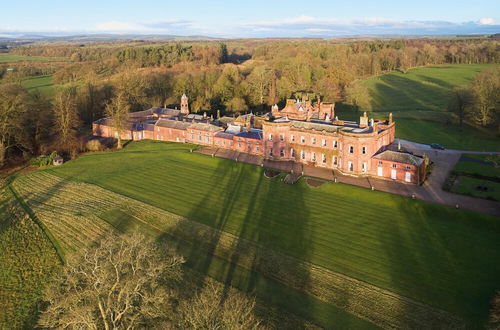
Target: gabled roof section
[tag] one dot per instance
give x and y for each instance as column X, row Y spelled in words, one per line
column 399, row 157
column 172, row 124
column 205, row 127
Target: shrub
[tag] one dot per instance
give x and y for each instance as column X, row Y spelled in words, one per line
column 95, row 145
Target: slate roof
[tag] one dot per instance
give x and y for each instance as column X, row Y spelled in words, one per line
column 399, row 157
column 253, row 134
column 205, row 127
column 224, row 135
column 172, row 124
column 314, row 126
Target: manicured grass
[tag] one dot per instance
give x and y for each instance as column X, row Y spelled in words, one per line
column 419, row 99
column 475, row 173
column 430, row 253
column 13, row 58
column 27, row 263
column 449, row 135
column 469, row 186
column 476, row 165
column 43, row 84
column 426, row 88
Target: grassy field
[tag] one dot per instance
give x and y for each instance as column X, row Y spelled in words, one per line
column 13, row 58
column 426, row 88
column 429, row 253
column 27, row 262
column 43, row 84
column 477, row 176
column 418, row 100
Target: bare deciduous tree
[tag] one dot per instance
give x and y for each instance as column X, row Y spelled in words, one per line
column 117, row 110
column 213, row 308
column 66, row 115
column 485, row 89
column 119, row 284
column 12, row 107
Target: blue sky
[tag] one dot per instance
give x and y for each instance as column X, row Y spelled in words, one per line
column 256, row 18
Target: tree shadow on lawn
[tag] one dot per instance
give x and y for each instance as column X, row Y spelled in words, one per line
column 444, row 259
column 246, row 204
column 420, row 94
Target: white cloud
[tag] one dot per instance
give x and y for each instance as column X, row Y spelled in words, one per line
column 486, row 21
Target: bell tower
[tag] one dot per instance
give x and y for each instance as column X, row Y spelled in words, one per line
column 184, row 105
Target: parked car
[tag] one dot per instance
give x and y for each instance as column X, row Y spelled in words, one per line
column 437, row 146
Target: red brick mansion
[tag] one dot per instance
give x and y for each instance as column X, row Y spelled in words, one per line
column 302, row 131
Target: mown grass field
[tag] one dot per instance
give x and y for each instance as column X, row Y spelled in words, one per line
column 43, row 84
column 418, row 100
column 430, row 253
column 27, row 262
column 477, row 176
column 426, row 88
column 13, row 58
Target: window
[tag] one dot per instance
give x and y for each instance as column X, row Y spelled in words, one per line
column 334, row 144
column 323, row 142
column 408, row 168
column 271, row 152
column 302, row 139
column 208, row 139
column 350, row 165
column 257, row 148
column 292, row 153
column 292, row 138
column 239, row 145
column 158, row 129
column 313, row 156
column 363, row 167
column 223, row 142
column 282, row 137
column 380, row 162
column 393, row 165
column 363, row 150
column 249, row 148
column 334, row 160
column 313, row 140
column 199, row 137
column 351, row 149
column 270, row 137
column 282, row 152
column 323, row 158
column 302, row 155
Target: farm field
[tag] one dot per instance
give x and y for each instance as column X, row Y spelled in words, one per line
column 426, row 88
column 27, row 262
column 428, row 253
column 13, row 58
column 419, row 99
column 43, row 84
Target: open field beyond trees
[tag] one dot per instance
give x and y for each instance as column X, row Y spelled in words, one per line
column 43, row 84
column 317, row 252
column 419, row 100
column 13, row 58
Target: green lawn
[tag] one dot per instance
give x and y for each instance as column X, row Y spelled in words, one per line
column 418, row 100
column 27, row 262
column 13, row 58
column 43, row 84
column 469, row 186
column 430, row 253
column 475, row 174
column 426, row 88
